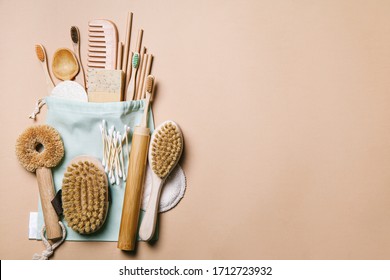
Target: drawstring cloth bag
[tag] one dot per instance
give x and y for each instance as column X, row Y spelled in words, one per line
column 78, row 123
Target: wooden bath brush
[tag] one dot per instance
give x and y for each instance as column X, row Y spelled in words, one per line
column 38, row 149
column 166, row 146
column 85, row 195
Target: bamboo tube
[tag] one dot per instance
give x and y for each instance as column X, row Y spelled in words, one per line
column 134, row 187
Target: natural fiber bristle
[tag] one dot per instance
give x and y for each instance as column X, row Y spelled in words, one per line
column 149, row 83
column 135, row 60
column 40, row 52
column 166, row 148
column 84, row 197
column 74, row 34
column 28, row 143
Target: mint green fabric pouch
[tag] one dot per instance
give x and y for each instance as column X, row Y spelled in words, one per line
column 78, row 123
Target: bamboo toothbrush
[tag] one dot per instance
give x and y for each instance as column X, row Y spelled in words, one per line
column 135, row 178
column 135, row 63
column 41, row 55
column 166, row 146
column 147, row 72
column 75, row 35
column 141, row 69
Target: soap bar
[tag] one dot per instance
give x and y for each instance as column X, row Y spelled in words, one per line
column 105, row 85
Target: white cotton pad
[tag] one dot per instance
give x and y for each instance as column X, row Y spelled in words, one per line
column 172, row 191
column 70, row 90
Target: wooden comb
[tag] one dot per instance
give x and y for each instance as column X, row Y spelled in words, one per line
column 102, row 44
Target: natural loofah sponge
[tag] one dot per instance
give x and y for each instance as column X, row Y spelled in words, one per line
column 39, row 146
column 85, row 195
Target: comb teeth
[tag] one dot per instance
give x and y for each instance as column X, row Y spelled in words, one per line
column 102, row 44
column 166, row 148
column 40, row 51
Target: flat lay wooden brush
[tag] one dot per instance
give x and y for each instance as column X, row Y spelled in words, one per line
column 85, row 194
column 102, row 44
column 75, row 36
column 135, row 178
column 165, row 149
column 41, row 55
column 38, row 149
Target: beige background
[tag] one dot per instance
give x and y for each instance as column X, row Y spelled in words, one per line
column 285, row 110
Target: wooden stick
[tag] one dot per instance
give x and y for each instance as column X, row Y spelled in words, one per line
column 46, row 192
column 127, row 42
column 147, row 73
column 120, row 53
column 142, row 68
column 139, row 40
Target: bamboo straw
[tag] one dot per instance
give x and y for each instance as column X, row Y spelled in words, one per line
column 127, row 42
column 120, row 53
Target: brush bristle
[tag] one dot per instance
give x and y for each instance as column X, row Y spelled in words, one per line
column 135, row 60
column 149, row 83
column 74, row 34
column 84, row 197
column 166, row 149
column 39, row 50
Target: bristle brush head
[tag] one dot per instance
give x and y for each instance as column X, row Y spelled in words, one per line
column 135, row 60
column 74, row 34
column 40, row 52
column 166, row 148
column 85, row 195
column 150, row 83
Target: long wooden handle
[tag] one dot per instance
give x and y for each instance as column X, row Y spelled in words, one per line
column 134, row 186
column 46, row 192
column 127, row 41
column 148, row 224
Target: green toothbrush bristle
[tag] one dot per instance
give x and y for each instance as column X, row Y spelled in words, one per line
column 135, row 60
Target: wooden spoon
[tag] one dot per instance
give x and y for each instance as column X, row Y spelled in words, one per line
column 65, row 66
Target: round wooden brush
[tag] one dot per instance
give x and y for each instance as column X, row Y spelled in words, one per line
column 135, row 178
column 38, row 149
